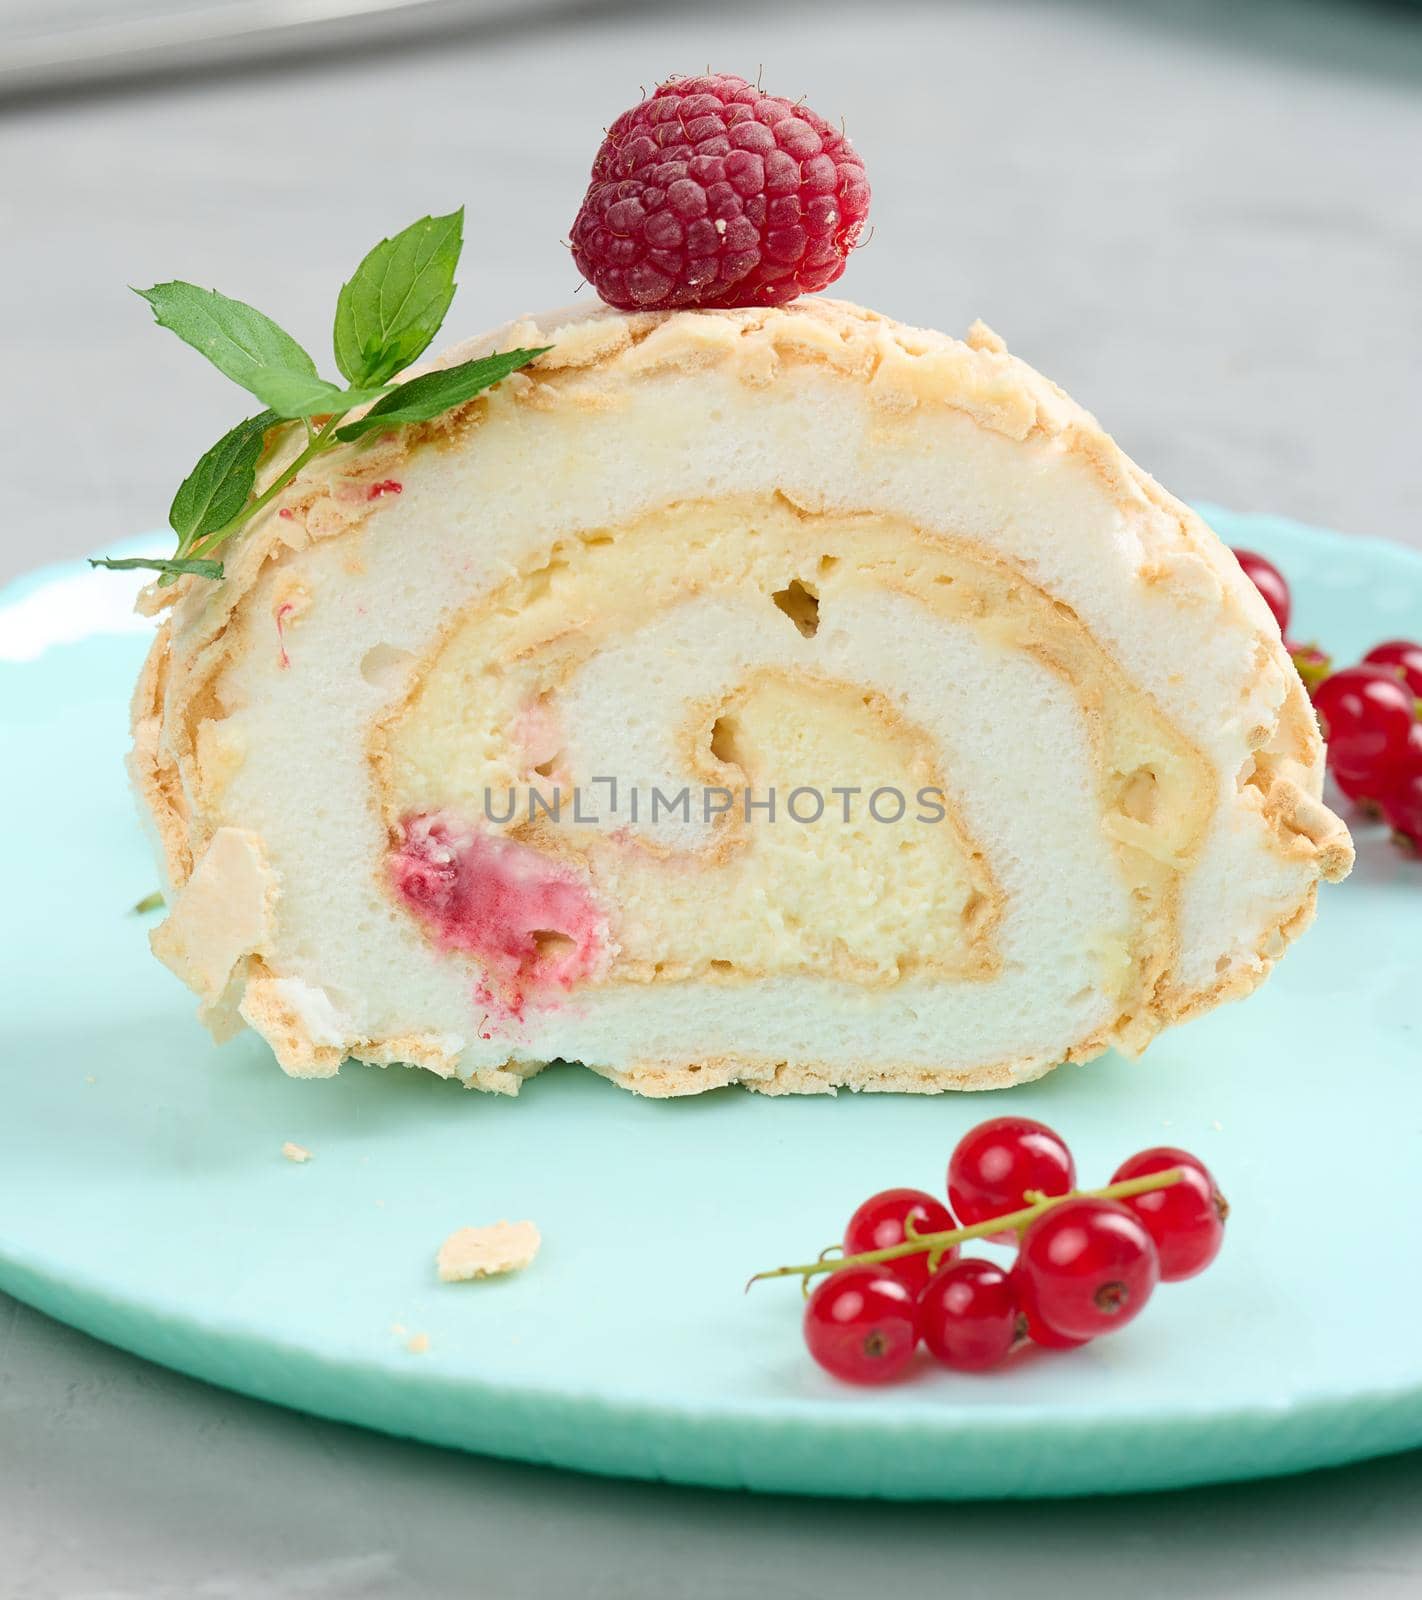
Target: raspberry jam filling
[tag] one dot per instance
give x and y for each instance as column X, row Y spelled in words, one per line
column 529, row 920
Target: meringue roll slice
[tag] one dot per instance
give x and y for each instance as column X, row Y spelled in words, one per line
column 785, row 697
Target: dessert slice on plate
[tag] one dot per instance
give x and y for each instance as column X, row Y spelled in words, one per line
column 781, row 696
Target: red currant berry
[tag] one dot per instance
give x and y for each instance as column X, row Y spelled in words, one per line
column 1402, row 804
column 1091, row 1266
column 1364, row 792
column 1365, row 714
column 862, row 1325
column 995, row 1164
column 970, row 1315
column 879, row 1225
column 1030, row 1321
column 1370, row 794
column 1269, row 581
column 1187, row 1220
column 1403, row 657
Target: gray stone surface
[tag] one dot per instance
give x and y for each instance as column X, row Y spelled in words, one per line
column 1202, row 219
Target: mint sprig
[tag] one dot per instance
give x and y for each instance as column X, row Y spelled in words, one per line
column 386, row 316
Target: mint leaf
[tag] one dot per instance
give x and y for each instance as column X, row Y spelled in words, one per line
column 252, row 350
column 395, row 302
column 238, row 339
column 218, row 486
column 295, row 394
column 386, row 316
column 170, row 569
column 150, row 902
column 437, row 392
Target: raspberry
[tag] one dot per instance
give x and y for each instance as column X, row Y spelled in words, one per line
column 711, row 194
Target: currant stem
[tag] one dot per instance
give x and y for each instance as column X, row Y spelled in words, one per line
column 1018, row 1220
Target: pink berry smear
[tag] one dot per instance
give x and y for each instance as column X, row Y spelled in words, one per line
column 530, row 921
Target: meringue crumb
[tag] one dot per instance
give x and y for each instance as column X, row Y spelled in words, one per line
column 1218, row 1127
column 399, row 1329
column 417, row 1343
column 484, row 1252
column 90, row 1078
column 295, row 1152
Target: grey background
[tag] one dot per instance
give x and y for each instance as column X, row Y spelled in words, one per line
column 1204, row 220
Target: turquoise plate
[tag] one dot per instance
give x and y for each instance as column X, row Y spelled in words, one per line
column 143, row 1196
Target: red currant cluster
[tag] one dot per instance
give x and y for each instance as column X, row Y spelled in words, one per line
column 1086, row 1261
column 1371, row 714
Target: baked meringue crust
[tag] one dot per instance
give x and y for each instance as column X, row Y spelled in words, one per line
column 727, row 549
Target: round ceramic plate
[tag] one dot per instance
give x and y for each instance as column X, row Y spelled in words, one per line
column 144, row 1197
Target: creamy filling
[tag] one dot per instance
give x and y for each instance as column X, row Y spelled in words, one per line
column 755, row 648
